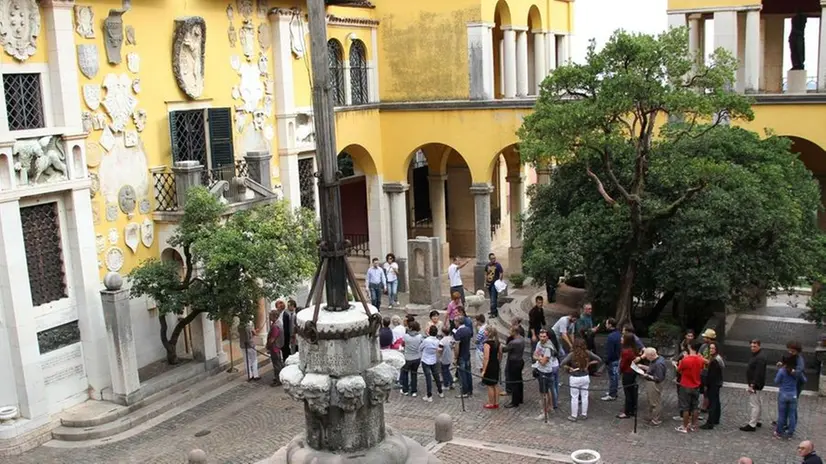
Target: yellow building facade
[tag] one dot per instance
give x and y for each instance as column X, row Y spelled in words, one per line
column 111, row 109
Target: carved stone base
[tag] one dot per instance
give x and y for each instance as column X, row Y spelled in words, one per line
column 796, row 81
column 395, row 449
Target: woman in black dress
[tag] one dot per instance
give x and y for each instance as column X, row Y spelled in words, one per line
column 491, row 368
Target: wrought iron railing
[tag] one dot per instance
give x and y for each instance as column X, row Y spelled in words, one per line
column 495, row 221
column 210, row 177
column 166, row 198
column 359, row 244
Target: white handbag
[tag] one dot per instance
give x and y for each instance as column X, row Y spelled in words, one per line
column 500, row 286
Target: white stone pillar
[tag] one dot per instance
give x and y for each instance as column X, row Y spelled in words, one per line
column 481, row 196
column 696, row 37
column 522, row 63
column 774, row 44
column 821, row 54
column 439, row 213
column 377, row 214
column 123, row 361
column 516, row 184
column 282, row 59
column 480, row 60
column 374, row 74
column 501, row 69
column 223, row 358
column 563, row 49
column 540, row 68
column 62, row 56
column 18, row 318
column 726, row 33
column 204, row 348
column 348, row 85
column 398, row 227
column 550, row 51
column 509, row 61
column 86, row 281
column 752, row 58
column 290, row 183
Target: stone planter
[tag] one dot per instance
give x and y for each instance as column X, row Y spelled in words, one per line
column 8, row 413
column 570, row 297
column 586, row 456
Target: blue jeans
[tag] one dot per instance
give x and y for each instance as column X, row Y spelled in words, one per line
column 549, row 382
column 494, row 300
column 465, row 377
column 375, row 295
column 410, row 376
column 447, row 377
column 431, row 372
column 613, row 378
column 393, row 292
column 786, row 414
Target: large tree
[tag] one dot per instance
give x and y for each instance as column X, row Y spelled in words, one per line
column 655, row 195
column 230, row 263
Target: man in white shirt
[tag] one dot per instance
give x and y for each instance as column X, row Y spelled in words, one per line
column 564, row 330
column 455, row 277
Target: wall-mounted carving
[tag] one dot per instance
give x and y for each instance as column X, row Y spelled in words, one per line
column 136, row 85
column 230, row 13
column 188, row 55
column 124, row 166
column 130, row 138
column 235, row 93
column 247, row 38
column 232, row 35
column 100, row 243
column 263, row 8
column 258, row 119
column 119, row 101
column 114, row 259
column 252, row 90
column 133, row 62
column 107, row 139
column 113, row 35
column 113, row 236
column 297, row 44
column 95, row 213
column 111, row 212
column 244, row 7
column 264, row 37
column 127, row 200
column 19, row 28
column 95, row 187
column 139, row 117
column 85, row 21
column 98, row 120
column 240, row 119
column 131, row 236
column 147, row 232
column 269, row 87
column 86, row 121
column 39, row 161
column 144, row 206
column 93, row 154
column 304, row 129
column 130, row 35
column 235, row 62
column 268, row 105
column 91, row 95
column 87, row 60
column 263, row 65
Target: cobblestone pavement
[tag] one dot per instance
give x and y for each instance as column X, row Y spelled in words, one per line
column 455, row 454
column 252, row 420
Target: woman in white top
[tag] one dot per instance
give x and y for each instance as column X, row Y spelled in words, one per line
column 391, row 271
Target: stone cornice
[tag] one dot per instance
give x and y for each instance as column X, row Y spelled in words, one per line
column 349, row 21
column 395, row 187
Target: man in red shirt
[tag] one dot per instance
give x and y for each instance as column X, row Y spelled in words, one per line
column 689, row 398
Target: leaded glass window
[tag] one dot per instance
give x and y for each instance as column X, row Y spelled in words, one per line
column 24, row 101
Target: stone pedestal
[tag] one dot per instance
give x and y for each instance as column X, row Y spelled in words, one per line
column 123, row 361
column 187, row 175
column 796, row 81
column 258, row 166
column 425, row 264
column 343, row 381
column 481, row 196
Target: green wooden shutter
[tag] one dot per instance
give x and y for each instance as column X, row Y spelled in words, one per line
column 220, row 137
column 173, row 135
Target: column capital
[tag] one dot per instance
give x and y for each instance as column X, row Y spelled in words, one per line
column 57, row 3
column 695, row 17
column 515, row 28
column 437, row 177
column 516, row 179
column 538, row 31
column 481, row 188
column 481, row 24
column 395, row 187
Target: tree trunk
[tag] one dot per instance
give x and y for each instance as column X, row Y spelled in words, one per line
column 171, row 343
column 626, row 293
column 659, row 307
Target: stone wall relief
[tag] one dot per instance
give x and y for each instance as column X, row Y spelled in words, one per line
column 263, row 8
column 188, row 51
column 130, row 36
column 131, row 236
column 119, row 101
column 258, row 119
column 139, row 117
column 39, row 161
column 133, row 62
column 98, row 120
column 107, row 139
column 91, row 95
column 147, row 232
column 305, row 129
column 144, row 206
column 263, row 65
column 297, row 44
column 111, row 212
column 130, row 138
column 264, row 37
column 113, row 236
column 127, row 200
column 95, row 188
column 19, row 28
column 230, row 13
column 114, row 259
column 235, row 63
column 232, row 35
column 85, row 21
column 122, row 167
column 244, row 8
column 87, row 60
column 93, row 154
column 113, row 35
column 252, row 89
column 247, row 38
column 136, row 85
column 86, row 121
column 100, row 243
column 95, row 213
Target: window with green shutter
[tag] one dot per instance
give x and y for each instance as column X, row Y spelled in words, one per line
column 221, row 152
column 190, row 130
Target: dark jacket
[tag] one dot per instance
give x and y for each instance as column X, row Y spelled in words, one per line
column 756, row 371
column 536, row 320
column 715, row 372
column 812, row 459
column 385, row 337
column 612, row 347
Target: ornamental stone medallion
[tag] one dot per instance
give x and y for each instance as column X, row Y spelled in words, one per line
column 130, row 138
column 139, row 117
column 19, row 27
column 130, row 36
column 136, row 85
column 111, row 213
column 93, row 154
column 263, row 8
column 232, row 35
column 113, row 236
column 85, row 21
column 264, row 36
column 147, row 233
column 113, row 35
column 107, row 139
column 244, row 7
column 87, row 60
column 127, row 200
column 119, row 101
column 86, row 121
column 188, row 51
column 98, row 120
column 144, row 206
column 114, row 259
column 95, row 187
column 247, row 39
column 131, row 236
column 133, row 62
column 91, row 95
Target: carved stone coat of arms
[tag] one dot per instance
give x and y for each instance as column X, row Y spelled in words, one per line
column 19, row 27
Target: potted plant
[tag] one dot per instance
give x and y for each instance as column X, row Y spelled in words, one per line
column 517, row 279
column 664, row 336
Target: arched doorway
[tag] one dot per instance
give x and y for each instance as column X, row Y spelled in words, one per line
column 536, row 51
column 508, row 203
column 814, row 157
column 357, row 172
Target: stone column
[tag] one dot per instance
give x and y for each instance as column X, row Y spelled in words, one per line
column 540, row 69
column 821, row 54
column 377, row 214
column 752, row 58
column 398, row 225
column 62, row 56
column 563, row 49
column 123, row 361
column 726, row 34
column 204, row 348
column 282, row 58
column 501, row 69
column 509, row 61
column 543, row 174
column 288, row 175
column 258, row 165
column 550, row 51
column 696, row 37
column 187, row 175
column 437, row 209
column 19, row 326
column 774, row 44
column 480, row 60
column 522, row 62
column 481, row 196
column 348, row 85
column 516, row 193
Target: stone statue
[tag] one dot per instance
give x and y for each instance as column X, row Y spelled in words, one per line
column 113, row 35
column 797, row 42
column 44, row 156
column 19, row 27
column 188, row 51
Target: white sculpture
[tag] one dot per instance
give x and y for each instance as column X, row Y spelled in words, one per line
column 139, row 117
column 264, row 37
column 107, row 139
column 247, row 38
column 188, row 51
column 252, row 90
column 113, row 235
column 87, row 60
column 147, row 232
column 44, row 156
column 245, row 8
column 263, row 64
column 133, row 62
column 19, row 27
column 131, row 236
column 85, row 20
column 297, row 36
column 119, row 101
column 136, row 85
column 263, row 8
column 91, row 95
column 86, row 121
column 98, row 120
column 130, row 138
column 114, row 259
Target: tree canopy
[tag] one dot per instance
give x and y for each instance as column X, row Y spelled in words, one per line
column 654, row 193
column 231, row 262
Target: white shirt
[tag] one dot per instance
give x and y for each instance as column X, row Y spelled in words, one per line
column 454, row 275
column 429, row 350
column 563, row 326
column 392, row 270
column 398, row 332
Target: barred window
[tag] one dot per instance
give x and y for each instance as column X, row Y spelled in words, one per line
column 336, row 59
column 187, row 131
column 44, row 252
column 24, row 101
column 306, row 182
column 358, row 73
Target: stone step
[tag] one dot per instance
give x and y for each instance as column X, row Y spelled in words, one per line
column 737, row 351
column 736, row 372
column 117, row 420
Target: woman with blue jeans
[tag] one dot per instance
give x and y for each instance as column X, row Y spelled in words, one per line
column 786, row 380
column 391, row 270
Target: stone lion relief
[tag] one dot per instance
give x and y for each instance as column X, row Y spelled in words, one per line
column 39, row 160
column 19, row 27
column 188, row 51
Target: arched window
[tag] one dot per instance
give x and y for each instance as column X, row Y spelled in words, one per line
column 336, row 57
column 358, row 72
